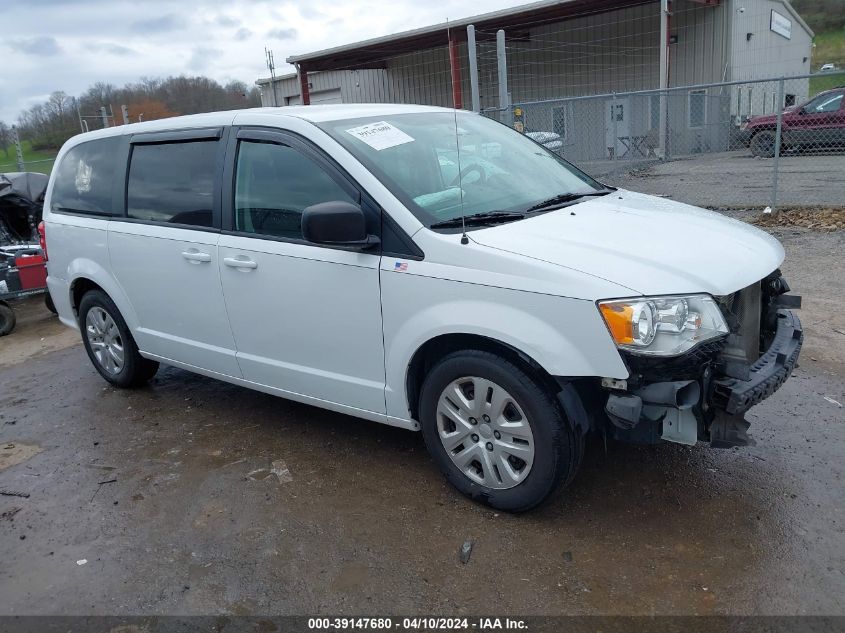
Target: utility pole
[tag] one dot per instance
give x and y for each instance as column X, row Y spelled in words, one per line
column 272, row 66
column 82, row 125
column 18, row 149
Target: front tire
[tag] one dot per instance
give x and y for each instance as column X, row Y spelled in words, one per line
column 496, row 434
column 109, row 343
column 763, row 144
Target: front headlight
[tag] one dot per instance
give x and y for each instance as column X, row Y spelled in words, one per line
column 663, row 326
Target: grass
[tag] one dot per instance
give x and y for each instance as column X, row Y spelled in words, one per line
column 34, row 160
column 830, row 48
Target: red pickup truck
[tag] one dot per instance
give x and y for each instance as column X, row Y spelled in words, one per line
column 818, row 123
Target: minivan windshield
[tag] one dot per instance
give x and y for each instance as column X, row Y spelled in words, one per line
column 444, row 167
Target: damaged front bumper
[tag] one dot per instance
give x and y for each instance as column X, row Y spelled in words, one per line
column 703, row 395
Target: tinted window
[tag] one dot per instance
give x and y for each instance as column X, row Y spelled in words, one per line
column 84, row 179
column 825, row 103
column 173, row 182
column 274, row 183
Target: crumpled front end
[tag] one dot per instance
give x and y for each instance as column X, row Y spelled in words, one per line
column 702, row 395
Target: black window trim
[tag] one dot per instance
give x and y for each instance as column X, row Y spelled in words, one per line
column 214, row 135
column 332, row 168
column 171, row 136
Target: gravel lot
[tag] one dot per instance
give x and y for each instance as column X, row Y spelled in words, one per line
column 169, row 493
column 733, row 179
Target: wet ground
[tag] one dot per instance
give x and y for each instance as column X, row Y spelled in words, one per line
column 192, row 496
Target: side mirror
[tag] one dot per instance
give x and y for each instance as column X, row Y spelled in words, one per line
column 337, row 223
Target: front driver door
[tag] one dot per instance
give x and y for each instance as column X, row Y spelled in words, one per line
column 306, row 318
column 821, row 123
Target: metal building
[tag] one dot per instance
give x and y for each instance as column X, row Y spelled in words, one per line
column 571, row 48
column 558, row 48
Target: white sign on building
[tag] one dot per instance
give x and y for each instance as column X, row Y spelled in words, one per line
column 781, row 25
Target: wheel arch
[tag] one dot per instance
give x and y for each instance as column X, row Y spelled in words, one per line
column 86, row 275
column 436, row 348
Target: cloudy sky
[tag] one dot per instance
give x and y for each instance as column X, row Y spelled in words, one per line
column 67, row 45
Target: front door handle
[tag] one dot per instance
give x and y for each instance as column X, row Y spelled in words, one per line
column 237, row 262
column 195, row 256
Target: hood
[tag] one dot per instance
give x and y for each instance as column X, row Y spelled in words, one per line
column 650, row 245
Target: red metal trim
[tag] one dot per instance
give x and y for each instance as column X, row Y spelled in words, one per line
column 455, row 65
column 305, row 93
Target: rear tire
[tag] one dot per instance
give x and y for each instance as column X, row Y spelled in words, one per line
column 109, row 343
column 763, row 144
column 7, row 318
column 48, row 301
column 457, row 430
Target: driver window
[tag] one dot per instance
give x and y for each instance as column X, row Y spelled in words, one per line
column 828, row 103
column 274, row 184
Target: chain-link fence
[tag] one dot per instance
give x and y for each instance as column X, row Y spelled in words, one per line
column 727, row 145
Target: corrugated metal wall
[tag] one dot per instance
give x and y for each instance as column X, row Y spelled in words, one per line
column 616, row 51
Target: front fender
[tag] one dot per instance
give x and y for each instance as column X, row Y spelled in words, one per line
column 566, row 337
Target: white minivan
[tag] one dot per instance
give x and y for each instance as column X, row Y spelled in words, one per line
column 425, row 268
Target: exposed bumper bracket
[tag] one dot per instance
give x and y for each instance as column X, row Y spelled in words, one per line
column 768, row 373
column 727, row 431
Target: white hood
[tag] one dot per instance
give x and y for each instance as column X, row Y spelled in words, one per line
column 651, row 245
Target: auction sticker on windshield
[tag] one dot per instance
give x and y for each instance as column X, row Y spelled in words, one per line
column 380, row 135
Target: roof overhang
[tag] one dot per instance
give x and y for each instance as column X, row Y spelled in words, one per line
column 372, row 53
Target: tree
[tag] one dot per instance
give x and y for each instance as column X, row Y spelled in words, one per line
column 5, row 137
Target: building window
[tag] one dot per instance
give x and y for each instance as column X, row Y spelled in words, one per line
column 697, row 108
column 789, row 101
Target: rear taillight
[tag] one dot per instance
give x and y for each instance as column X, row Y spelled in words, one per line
column 42, row 239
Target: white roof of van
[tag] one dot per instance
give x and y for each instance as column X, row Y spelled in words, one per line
column 315, row 113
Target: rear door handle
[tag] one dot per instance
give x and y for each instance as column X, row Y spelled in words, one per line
column 236, row 262
column 193, row 255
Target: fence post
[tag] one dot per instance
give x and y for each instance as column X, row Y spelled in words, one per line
column 664, row 78
column 18, row 149
column 501, row 58
column 778, row 135
column 104, row 116
column 125, row 112
column 613, row 151
column 472, row 53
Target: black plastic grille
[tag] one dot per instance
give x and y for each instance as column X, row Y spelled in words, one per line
column 686, row 366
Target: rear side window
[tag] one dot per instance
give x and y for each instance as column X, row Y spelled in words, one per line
column 274, row 183
column 172, row 183
column 84, row 179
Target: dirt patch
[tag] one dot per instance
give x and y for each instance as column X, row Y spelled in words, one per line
column 12, row 454
column 38, row 331
column 825, row 220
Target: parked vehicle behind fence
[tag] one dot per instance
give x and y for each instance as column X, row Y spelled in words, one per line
column 818, row 123
column 420, row 267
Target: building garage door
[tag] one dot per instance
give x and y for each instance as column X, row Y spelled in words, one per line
column 320, row 97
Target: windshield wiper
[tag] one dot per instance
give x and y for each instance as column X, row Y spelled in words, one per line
column 478, row 219
column 563, row 198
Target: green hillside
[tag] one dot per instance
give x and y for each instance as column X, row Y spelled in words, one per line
column 34, row 160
